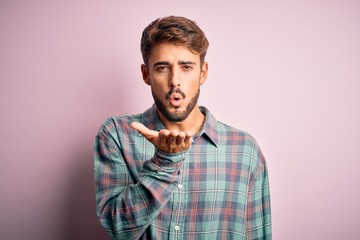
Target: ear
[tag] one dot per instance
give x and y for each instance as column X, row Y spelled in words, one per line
column 145, row 74
column 204, row 73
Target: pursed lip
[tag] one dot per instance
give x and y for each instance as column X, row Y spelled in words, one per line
column 176, row 99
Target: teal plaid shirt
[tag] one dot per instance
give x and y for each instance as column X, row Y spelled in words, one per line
column 218, row 189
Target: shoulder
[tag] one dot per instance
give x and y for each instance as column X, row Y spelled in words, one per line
column 225, row 135
column 118, row 123
column 229, row 133
column 241, row 142
column 116, row 129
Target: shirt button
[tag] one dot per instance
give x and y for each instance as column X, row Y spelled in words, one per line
column 176, row 228
column 180, row 186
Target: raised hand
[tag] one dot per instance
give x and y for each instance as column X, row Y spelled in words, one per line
column 165, row 140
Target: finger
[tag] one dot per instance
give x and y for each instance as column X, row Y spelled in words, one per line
column 163, row 134
column 173, row 136
column 147, row 133
column 188, row 138
column 181, row 137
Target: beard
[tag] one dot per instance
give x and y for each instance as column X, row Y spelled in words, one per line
column 177, row 115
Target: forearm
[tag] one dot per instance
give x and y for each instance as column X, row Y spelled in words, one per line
column 128, row 208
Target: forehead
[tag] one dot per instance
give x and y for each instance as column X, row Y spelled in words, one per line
column 171, row 52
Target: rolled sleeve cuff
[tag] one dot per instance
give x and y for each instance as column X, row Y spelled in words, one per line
column 169, row 159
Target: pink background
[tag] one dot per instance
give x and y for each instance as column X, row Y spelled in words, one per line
column 289, row 73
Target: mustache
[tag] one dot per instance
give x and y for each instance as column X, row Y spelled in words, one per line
column 173, row 90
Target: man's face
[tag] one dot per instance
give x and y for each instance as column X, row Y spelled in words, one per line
column 175, row 75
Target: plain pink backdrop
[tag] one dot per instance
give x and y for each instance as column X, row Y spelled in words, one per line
column 287, row 72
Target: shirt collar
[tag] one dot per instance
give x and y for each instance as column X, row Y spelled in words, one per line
column 210, row 128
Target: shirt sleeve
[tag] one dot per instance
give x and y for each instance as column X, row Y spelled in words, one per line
column 126, row 209
column 258, row 214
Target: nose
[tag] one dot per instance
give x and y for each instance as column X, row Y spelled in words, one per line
column 174, row 80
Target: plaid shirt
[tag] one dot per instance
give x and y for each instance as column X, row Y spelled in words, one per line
column 218, row 189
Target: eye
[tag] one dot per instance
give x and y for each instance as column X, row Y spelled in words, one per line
column 187, row 67
column 162, row 68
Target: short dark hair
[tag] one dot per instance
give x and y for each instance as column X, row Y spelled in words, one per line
column 176, row 30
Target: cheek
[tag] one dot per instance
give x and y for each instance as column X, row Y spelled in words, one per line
column 158, row 89
column 192, row 90
column 159, row 81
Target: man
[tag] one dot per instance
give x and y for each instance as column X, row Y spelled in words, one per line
column 174, row 171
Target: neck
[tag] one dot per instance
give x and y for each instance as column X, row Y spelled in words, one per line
column 192, row 123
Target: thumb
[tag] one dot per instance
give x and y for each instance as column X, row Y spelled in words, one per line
column 147, row 133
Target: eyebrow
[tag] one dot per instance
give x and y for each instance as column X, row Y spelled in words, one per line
column 186, row 63
column 179, row 62
column 161, row 63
